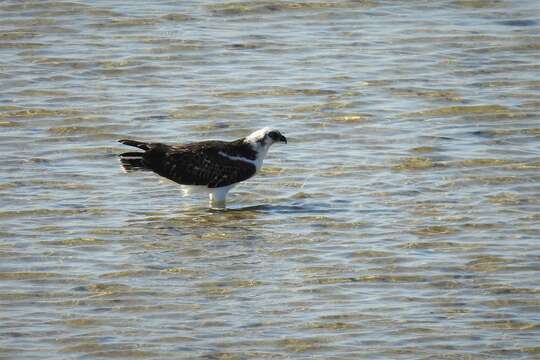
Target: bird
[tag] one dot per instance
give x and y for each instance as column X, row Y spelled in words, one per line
column 213, row 166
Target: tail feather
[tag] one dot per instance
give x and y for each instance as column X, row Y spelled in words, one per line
column 132, row 161
column 138, row 144
column 133, row 154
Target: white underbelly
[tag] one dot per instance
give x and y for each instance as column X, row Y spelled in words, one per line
column 194, row 189
column 187, row 190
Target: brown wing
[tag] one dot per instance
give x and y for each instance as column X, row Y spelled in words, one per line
column 197, row 164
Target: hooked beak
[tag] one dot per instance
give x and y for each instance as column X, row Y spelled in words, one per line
column 283, row 139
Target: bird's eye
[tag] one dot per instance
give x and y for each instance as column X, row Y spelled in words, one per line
column 274, row 135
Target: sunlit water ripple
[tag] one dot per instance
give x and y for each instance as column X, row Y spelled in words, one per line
column 400, row 222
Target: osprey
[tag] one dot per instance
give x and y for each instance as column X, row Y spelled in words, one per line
column 212, row 166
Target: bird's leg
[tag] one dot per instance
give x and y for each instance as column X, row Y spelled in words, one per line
column 214, row 204
column 218, row 198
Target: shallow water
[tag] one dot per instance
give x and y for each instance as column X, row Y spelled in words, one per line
column 401, row 220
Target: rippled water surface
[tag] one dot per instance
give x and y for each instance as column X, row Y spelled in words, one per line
column 400, row 222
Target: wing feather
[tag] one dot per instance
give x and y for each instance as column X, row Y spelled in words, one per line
column 197, row 164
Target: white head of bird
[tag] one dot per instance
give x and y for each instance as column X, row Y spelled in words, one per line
column 260, row 142
column 262, row 139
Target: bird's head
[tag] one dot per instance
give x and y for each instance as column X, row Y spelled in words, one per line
column 265, row 137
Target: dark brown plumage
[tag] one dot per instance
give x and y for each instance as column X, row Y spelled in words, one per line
column 210, row 163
